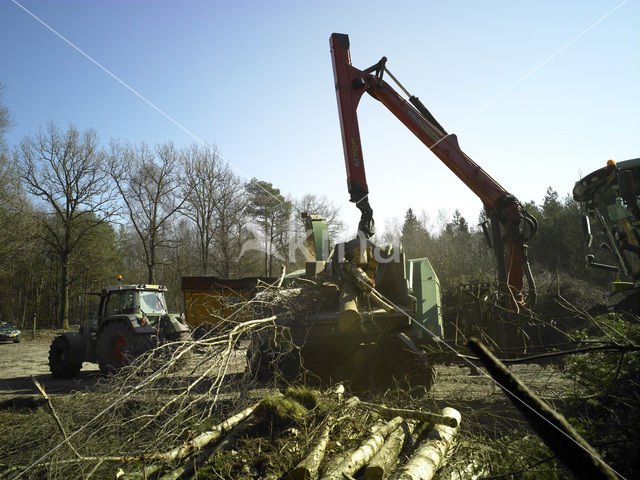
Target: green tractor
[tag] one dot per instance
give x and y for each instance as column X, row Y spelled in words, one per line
column 131, row 320
column 611, row 195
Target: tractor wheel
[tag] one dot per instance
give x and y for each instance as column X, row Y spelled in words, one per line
column 60, row 363
column 393, row 365
column 118, row 344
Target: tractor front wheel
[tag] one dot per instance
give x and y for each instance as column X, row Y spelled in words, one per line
column 60, row 363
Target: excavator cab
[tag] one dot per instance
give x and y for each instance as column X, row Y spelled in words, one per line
column 611, row 196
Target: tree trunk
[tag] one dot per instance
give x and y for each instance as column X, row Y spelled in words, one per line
column 64, row 291
column 363, row 454
column 384, row 460
column 151, row 259
column 308, row 468
column 552, row 427
column 409, row 414
column 426, row 459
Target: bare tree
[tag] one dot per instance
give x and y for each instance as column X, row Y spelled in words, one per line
column 149, row 182
column 5, row 123
column 66, row 171
column 230, row 215
column 320, row 205
column 204, row 175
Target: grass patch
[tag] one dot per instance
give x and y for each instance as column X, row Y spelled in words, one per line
column 304, row 396
column 278, row 412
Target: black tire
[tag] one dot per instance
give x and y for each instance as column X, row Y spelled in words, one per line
column 118, row 345
column 16, row 341
column 60, row 363
column 394, row 365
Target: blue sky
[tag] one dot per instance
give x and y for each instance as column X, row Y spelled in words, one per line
column 255, row 78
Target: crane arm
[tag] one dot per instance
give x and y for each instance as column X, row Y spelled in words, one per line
column 509, row 221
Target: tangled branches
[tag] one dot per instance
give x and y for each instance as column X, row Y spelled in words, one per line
column 154, row 401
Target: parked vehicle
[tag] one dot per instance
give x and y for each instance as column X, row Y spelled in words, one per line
column 9, row 333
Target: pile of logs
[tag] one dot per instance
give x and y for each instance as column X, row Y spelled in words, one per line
column 380, row 453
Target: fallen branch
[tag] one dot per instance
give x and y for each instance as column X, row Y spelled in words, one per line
column 552, row 427
column 426, row 459
column 197, row 443
column 408, row 414
column 54, row 415
column 362, row 455
column 231, row 337
column 528, row 359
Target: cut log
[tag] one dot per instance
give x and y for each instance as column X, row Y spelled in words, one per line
column 210, row 435
column 336, row 460
column 197, row 443
column 362, row 455
column 308, row 468
column 349, row 318
column 384, row 460
column 426, row 459
column 339, row 391
column 408, row 414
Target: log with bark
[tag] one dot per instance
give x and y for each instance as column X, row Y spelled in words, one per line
column 409, row 414
column 426, row 459
column 385, row 459
column 364, row 454
column 552, row 427
column 308, row 467
column 207, row 456
column 197, row 443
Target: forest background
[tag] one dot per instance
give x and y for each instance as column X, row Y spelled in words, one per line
column 76, row 211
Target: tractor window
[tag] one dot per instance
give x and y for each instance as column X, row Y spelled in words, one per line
column 114, row 303
column 152, row 302
column 129, row 302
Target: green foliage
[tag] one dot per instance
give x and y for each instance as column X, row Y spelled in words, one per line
column 220, row 467
column 605, row 399
column 303, row 395
column 414, row 235
column 275, row 411
column 457, row 225
column 272, row 212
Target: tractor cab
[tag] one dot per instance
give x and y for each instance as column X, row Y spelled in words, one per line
column 143, row 300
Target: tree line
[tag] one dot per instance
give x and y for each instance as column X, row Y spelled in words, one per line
column 459, row 251
column 74, row 213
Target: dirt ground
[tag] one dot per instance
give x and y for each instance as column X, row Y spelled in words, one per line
column 486, row 411
column 454, row 384
column 20, row 361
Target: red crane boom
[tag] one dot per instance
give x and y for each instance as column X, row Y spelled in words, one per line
column 511, row 225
